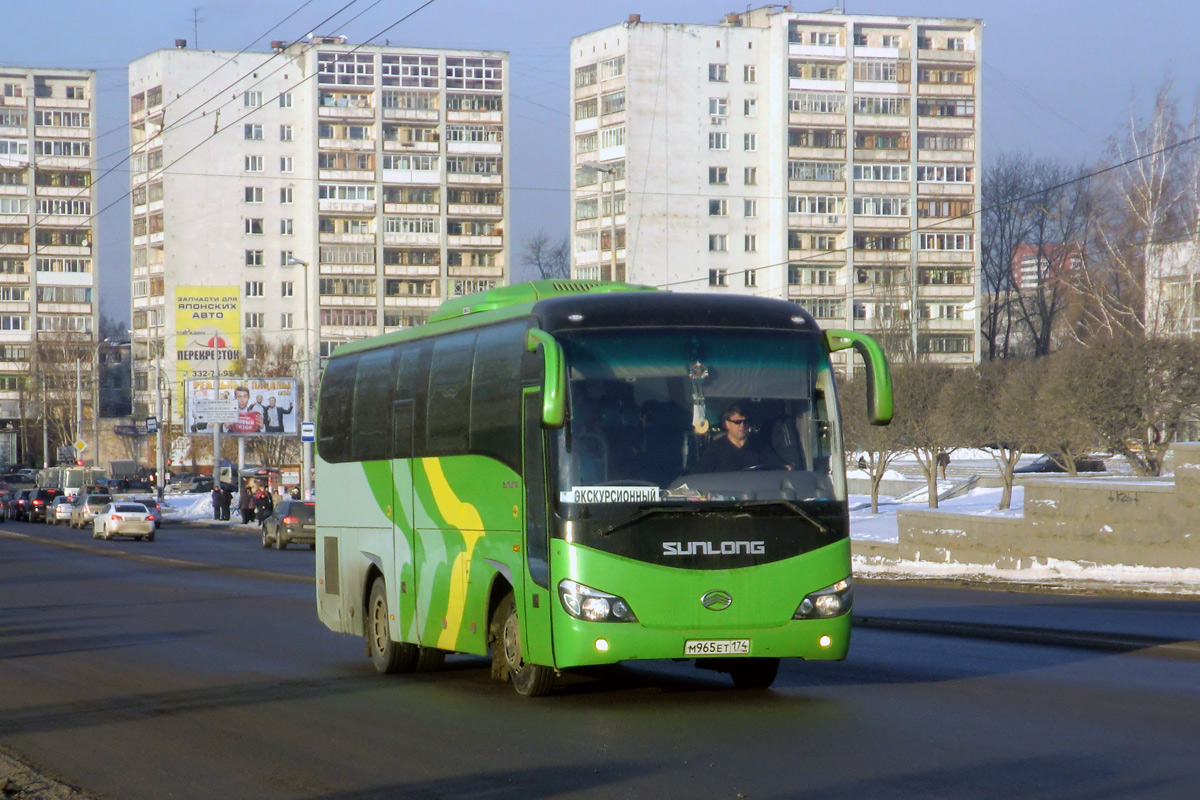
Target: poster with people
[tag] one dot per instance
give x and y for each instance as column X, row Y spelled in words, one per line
column 243, row 406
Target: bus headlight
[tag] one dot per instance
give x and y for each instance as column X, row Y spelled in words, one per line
column 592, row 605
column 832, row 601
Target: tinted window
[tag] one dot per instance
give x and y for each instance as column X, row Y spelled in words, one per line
column 408, row 398
column 372, row 400
column 448, row 414
column 131, row 508
column 335, row 409
column 302, row 511
column 496, row 393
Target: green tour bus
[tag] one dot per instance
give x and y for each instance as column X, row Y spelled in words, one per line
column 569, row 473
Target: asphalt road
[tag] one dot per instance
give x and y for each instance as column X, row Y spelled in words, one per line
column 194, row 667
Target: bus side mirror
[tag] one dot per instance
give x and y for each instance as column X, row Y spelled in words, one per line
column 554, row 388
column 879, row 379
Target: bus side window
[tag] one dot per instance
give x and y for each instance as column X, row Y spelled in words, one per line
column 496, row 393
column 372, row 424
column 408, row 398
column 335, row 410
column 448, row 415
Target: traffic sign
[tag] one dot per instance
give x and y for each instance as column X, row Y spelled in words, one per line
column 308, row 432
column 80, row 445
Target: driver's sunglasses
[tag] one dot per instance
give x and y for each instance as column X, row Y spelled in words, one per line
column 732, row 421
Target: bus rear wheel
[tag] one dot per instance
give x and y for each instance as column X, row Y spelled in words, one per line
column 388, row 656
column 530, row 680
column 753, row 673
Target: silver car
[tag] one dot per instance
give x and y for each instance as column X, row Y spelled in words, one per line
column 61, row 511
column 123, row 519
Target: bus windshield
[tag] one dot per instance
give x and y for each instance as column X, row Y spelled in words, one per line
column 716, row 416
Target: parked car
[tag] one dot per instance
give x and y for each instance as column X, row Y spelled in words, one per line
column 1046, row 463
column 41, row 501
column 292, row 522
column 84, row 511
column 123, row 518
column 61, row 512
column 18, row 507
column 152, row 506
column 5, row 498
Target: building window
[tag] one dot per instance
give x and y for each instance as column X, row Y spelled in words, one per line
column 718, row 277
column 751, row 277
column 586, row 109
column 718, row 72
column 585, row 76
column 750, row 208
column 287, row 289
column 718, row 243
column 817, row 102
column 254, row 258
column 285, row 133
column 718, row 140
column 945, row 174
column 285, row 195
column 612, row 68
column 718, row 208
column 750, row 142
column 285, row 227
column 285, row 100
column 254, row 319
column 718, row 107
column 880, row 172
column 718, row 176
column 253, row 163
column 285, row 320
column 252, row 99
column 815, row 204
column 285, row 163
column 750, row 107
column 253, row 132
column 254, row 194
column 254, row 288
column 612, row 103
column 254, row 226
column 750, row 73
column 750, row 176
column 881, row 206
column 751, row 242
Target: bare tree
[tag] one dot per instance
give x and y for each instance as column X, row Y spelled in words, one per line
column 879, row 444
column 544, row 258
column 1004, row 226
column 1148, row 197
column 925, row 415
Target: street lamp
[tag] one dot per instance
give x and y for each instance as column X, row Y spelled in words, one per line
column 306, row 448
column 596, row 166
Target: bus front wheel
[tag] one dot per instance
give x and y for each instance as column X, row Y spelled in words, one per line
column 753, row 673
column 388, row 656
column 530, row 680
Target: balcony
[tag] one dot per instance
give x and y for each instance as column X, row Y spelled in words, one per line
column 411, row 208
column 412, row 176
column 475, row 116
column 868, row 224
column 945, row 90
column 459, row 210
column 814, row 85
column 946, row 123
column 817, row 221
column 60, row 102
column 346, row 238
column 495, row 240
column 876, row 155
column 345, row 112
column 945, row 189
column 347, row 206
column 475, row 148
column 952, row 258
column 474, row 180
column 816, row 153
column 365, row 145
column 413, row 239
column 412, row 114
column 947, row 156
column 392, row 146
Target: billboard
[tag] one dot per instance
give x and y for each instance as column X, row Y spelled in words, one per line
column 242, row 406
column 208, row 330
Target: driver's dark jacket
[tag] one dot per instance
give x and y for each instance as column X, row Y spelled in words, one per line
column 722, row 456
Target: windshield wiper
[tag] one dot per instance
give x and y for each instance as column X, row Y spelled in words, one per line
column 800, row 512
column 642, row 513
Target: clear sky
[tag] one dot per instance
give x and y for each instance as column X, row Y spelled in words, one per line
column 1058, row 75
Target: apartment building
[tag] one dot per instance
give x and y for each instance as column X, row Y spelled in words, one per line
column 324, row 191
column 826, row 158
column 48, row 311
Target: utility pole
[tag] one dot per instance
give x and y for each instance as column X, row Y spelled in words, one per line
column 306, row 448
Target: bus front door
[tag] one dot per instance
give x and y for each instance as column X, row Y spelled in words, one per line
column 534, row 602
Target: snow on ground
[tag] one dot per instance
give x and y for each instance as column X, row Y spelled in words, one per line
column 197, row 508
column 883, row 527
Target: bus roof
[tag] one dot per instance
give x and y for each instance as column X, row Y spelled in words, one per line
column 570, row 304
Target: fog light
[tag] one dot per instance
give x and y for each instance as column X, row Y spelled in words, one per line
column 602, row 645
column 825, row 641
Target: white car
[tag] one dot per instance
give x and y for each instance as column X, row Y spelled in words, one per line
column 124, row 519
column 61, row 511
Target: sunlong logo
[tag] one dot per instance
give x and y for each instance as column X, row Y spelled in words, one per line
column 713, row 548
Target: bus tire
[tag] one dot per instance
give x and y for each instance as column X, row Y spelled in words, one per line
column 530, row 680
column 388, row 656
column 753, row 673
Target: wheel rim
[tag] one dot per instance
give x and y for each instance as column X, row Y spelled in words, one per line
column 379, row 628
column 512, row 644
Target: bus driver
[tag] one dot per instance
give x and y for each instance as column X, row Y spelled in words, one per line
column 733, row 451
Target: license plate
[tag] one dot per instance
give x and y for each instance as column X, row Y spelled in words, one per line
column 716, row 647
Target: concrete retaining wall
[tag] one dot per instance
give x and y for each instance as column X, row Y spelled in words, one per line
column 1114, row 520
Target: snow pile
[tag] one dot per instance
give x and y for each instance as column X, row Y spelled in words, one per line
column 883, row 527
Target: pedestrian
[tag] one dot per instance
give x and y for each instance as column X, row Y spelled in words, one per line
column 226, row 501
column 246, row 503
column 295, row 492
column 943, row 461
column 216, row 500
column 263, row 506
column 862, row 462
